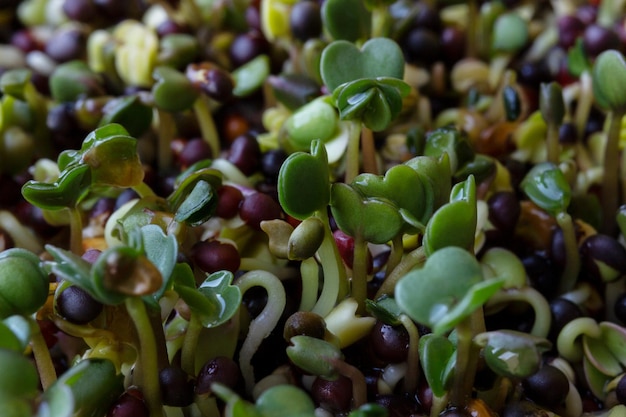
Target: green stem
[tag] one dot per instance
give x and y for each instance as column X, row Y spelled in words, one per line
column 190, row 345
column 610, row 180
column 144, row 190
column 76, row 231
column 207, row 125
column 368, row 151
column 412, row 374
column 410, row 261
column 335, row 281
column 540, row 306
column 148, row 355
column 572, row 256
column 352, row 153
column 466, row 360
column 45, row 367
column 167, row 131
column 264, row 323
column 359, row 273
column 309, row 270
column 381, row 22
column 553, row 145
column 397, row 250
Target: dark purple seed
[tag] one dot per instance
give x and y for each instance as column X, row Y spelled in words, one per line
column 542, row 274
column 271, row 161
column 568, row 134
column 389, row 343
column 597, row 39
column 428, row 18
column 305, row 20
column 547, row 387
column 213, row 256
column 335, row 396
column 245, row 153
column 253, row 17
column 129, row 404
column 84, row 11
column 257, row 207
column 587, row 13
column 25, row 41
column 247, row 46
column 562, row 311
column 229, row 200
column 570, row 27
column 603, row 258
column 77, row 306
column 218, row 84
column 504, row 210
column 170, row 27
column 220, row 369
column 66, row 45
column 124, row 197
column 398, row 405
column 533, row 73
column 194, row 150
column 453, row 43
column 595, row 122
column 102, row 209
column 422, row 46
column 177, row 387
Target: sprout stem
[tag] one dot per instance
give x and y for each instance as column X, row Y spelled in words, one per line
column 310, row 283
column 466, row 358
column 359, row 386
column 553, row 143
column 610, row 180
column 45, row 367
column 413, row 358
column 410, row 261
column 335, row 280
column 147, row 355
column 207, row 125
column 397, row 250
column 572, row 256
column 167, row 130
column 541, row 326
column 368, row 150
column 143, row 190
column 190, row 344
column 566, row 342
column 359, row 273
column 352, row 153
column 264, row 323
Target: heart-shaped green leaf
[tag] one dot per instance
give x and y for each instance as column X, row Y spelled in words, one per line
column 114, row 161
column 304, row 183
column 512, row 354
column 547, row 187
column 342, row 61
column 437, row 179
column 66, row 192
column 437, row 357
column 401, row 184
column 346, row 19
column 250, row 76
column 285, row 401
column 446, row 290
column 376, row 220
column 173, row 91
column 215, row 301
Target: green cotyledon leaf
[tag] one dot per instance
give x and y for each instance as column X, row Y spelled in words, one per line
column 304, row 183
column 446, row 290
column 547, row 187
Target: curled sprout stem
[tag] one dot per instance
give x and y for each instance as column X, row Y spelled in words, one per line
column 359, row 386
column 148, row 357
column 572, row 256
column 610, row 179
column 45, row 367
column 566, row 342
column 264, row 323
column 412, row 362
column 335, row 280
column 539, row 304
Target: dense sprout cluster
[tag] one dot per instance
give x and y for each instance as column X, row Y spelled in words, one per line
column 266, row 208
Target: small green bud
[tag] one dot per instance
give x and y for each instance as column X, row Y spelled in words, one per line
column 609, row 80
column 551, row 103
column 306, row 239
column 23, row 283
column 315, row 356
column 510, row 33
